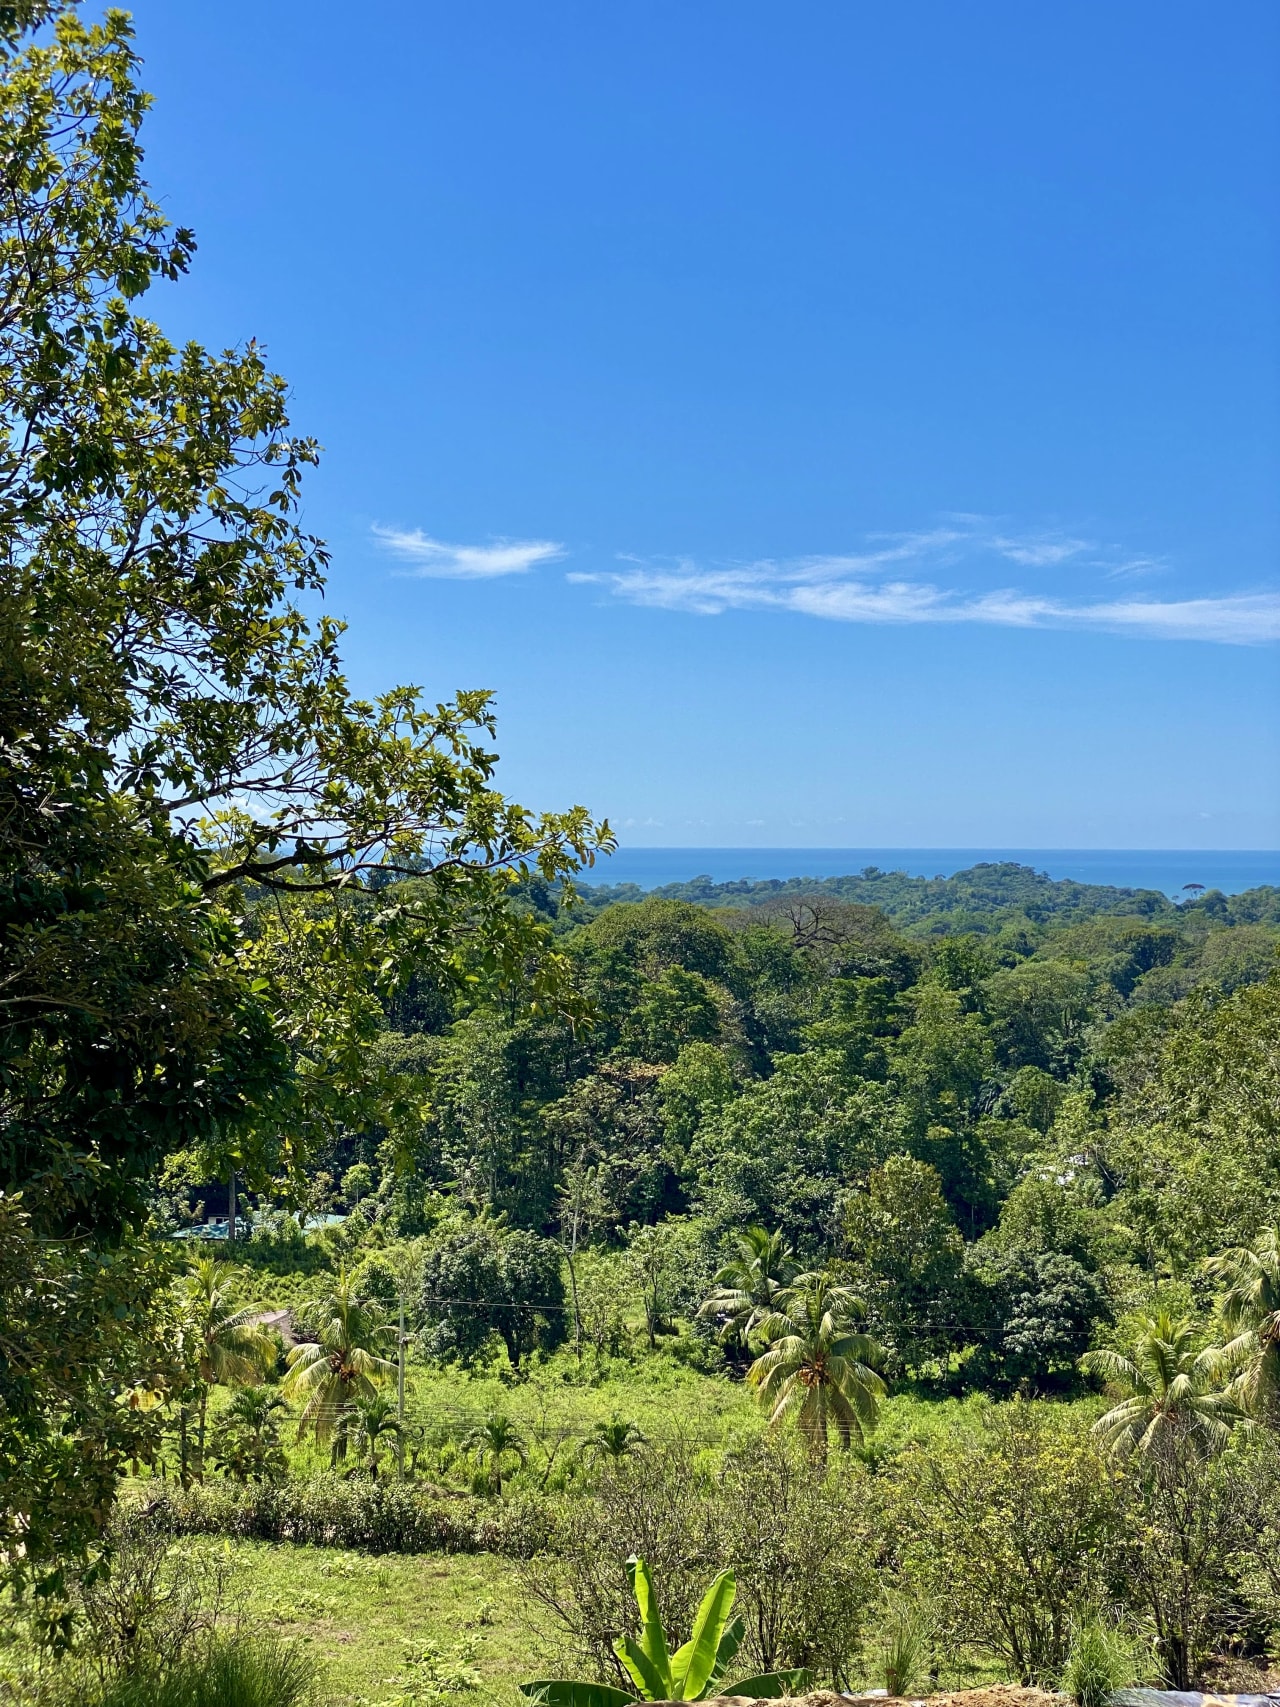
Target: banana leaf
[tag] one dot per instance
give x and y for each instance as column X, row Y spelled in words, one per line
column 727, row 1651
column 693, row 1664
column 653, row 1641
column 565, row 1692
column 771, row 1684
column 651, row 1684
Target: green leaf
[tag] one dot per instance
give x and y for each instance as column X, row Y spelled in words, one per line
column 771, row 1684
column 565, row 1692
column 693, row 1664
column 730, row 1642
column 652, row 1684
column 653, row 1639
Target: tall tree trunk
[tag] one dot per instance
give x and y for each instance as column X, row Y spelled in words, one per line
column 204, row 1411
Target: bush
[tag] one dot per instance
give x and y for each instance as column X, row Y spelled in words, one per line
column 152, row 1606
column 237, row 1671
column 330, row 1511
column 1011, row 1533
column 803, row 1542
column 1102, row 1659
column 904, row 1651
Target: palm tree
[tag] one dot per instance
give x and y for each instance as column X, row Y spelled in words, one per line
column 746, row 1288
column 818, row 1365
column 1172, row 1392
column 249, row 1446
column 372, row 1419
column 1251, row 1310
column 232, row 1349
column 341, row 1366
column 616, row 1439
column 495, row 1440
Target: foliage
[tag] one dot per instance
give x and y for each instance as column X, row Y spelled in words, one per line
column 745, row 1289
column 231, row 1348
column 341, row 1366
column 696, row 1669
column 334, row 1511
column 228, row 1671
column 196, row 812
column 1174, row 1394
column 89, row 1349
column 1011, row 1534
column 247, row 1441
column 906, row 1258
column 818, row 1367
column 1102, row 1659
column 906, row 1629
column 496, row 1440
column 613, row 1439
column 1250, row 1309
column 154, row 1607
column 481, row 1278
column 802, row 1543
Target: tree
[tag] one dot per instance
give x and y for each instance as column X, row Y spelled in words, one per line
column 664, row 1260
column 247, row 1440
column 614, row 1439
column 357, row 1182
column 1011, row 1533
column 818, row 1366
column 1251, row 1311
column 198, row 817
column 780, row 1154
column 1174, row 1399
column 341, row 1367
column 906, row 1258
column 494, row 1441
column 232, row 1349
column 480, row 1278
column 745, row 1289
column 372, row 1420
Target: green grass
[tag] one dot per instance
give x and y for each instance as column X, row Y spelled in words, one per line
column 431, row 1628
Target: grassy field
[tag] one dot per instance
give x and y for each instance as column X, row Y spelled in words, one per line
column 408, row 1631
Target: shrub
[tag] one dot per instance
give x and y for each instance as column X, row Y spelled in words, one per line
column 236, row 1671
column 905, row 1646
column 803, row 1543
column 330, row 1511
column 1102, row 1659
column 1011, row 1533
column 152, row 1605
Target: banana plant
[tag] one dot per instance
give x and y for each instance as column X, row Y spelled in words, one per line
column 692, row 1673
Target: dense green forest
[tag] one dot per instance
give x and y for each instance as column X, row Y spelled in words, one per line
column 1006, row 1138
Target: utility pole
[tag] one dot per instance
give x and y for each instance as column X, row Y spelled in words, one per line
column 231, row 1210
column 400, row 1390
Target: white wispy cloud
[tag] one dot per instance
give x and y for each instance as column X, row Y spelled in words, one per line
column 875, row 585
column 465, row 562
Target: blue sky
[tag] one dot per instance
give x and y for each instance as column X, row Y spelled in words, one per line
column 824, row 425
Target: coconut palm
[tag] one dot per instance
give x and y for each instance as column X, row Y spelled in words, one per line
column 341, row 1366
column 1251, row 1310
column 232, row 1349
column 615, row 1439
column 746, row 1288
column 371, row 1420
column 1173, row 1392
column 819, row 1367
column 494, row 1441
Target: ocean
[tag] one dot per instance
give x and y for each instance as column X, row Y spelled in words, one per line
column 1161, row 868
